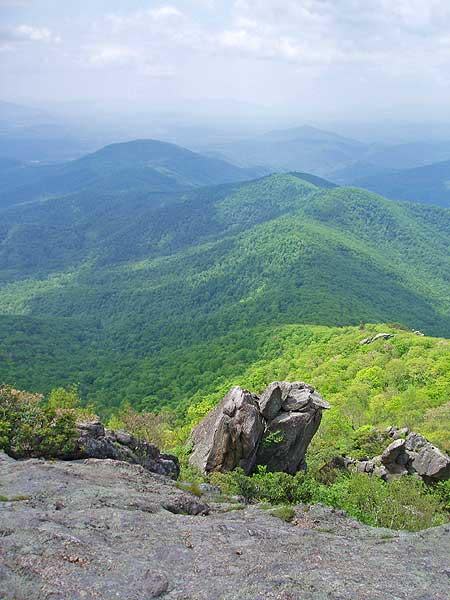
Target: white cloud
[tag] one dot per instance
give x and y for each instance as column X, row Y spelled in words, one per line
column 165, row 12
column 11, row 37
column 36, row 34
column 144, row 18
column 112, row 55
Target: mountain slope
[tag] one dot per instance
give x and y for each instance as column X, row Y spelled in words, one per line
column 429, row 184
column 120, row 288
column 143, row 164
column 299, row 149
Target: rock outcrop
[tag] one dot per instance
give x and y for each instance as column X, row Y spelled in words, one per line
column 230, row 435
column 94, row 441
column 374, row 338
column 408, row 454
column 102, row 529
column 273, row 430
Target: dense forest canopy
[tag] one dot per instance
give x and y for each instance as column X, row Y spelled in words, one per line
column 117, row 290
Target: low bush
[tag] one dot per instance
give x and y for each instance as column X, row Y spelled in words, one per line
column 405, row 503
column 29, row 427
column 285, row 513
column 155, row 428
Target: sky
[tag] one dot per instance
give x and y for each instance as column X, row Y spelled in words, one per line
column 329, row 59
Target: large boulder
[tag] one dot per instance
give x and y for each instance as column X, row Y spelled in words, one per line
column 94, row 441
column 426, row 460
column 293, row 412
column 273, row 430
column 230, row 435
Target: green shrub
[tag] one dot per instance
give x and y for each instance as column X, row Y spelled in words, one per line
column 29, row 427
column 192, row 488
column 64, row 398
column 442, row 493
column 368, row 441
column 285, row 513
column 404, row 503
column 274, row 488
column 272, row 439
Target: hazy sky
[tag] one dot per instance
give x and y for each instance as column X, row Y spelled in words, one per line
column 328, row 58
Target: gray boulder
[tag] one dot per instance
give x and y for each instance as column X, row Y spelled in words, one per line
column 426, row 460
column 273, row 430
column 286, row 440
column 289, row 431
column 94, row 441
column 270, row 400
column 230, row 435
column 378, row 336
column 414, row 455
column 393, row 452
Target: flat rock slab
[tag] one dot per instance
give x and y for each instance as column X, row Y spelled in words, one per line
column 101, row 529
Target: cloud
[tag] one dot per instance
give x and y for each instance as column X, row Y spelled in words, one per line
column 102, row 56
column 165, row 12
column 110, row 56
column 144, row 18
column 28, row 33
column 337, row 31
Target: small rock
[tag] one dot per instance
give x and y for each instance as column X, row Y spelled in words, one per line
column 187, row 505
column 155, row 585
column 378, row 336
column 426, row 460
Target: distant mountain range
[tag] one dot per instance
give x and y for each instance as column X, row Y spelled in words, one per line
column 342, row 160
column 148, row 165
column 30, row 134
column 428, row 185
column 301, row 149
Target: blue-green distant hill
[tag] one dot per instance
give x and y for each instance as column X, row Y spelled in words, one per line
column 428, row 185
column 148, row 165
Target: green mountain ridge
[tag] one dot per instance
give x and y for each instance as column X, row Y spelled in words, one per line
column 110, row 293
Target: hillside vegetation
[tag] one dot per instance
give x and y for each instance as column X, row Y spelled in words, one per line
column 103, row 293
column 108, row 294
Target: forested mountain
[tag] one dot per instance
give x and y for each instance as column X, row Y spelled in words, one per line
column 429, row 184
column 117, row 291
column 299, row 149
column 143, row 164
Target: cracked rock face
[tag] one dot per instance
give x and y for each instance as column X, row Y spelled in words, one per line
column 103, row 529
column 230, row 435
column 293, row 412
column 273, row 430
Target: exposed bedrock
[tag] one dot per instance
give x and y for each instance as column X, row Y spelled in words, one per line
column 94, row 441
